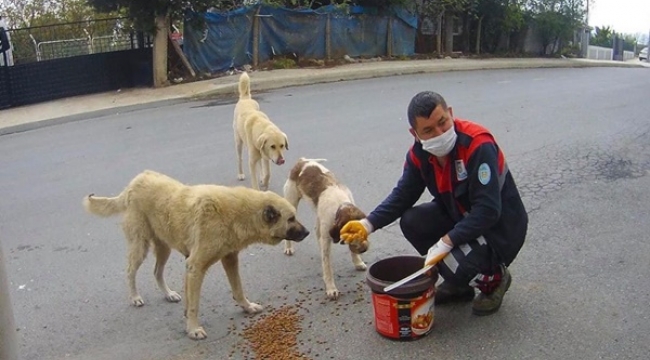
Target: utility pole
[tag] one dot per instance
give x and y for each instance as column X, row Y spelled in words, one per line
column 648, row 47
column 8, row 346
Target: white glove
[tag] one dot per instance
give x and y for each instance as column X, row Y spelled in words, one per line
column 366, row 224
column 437, row 252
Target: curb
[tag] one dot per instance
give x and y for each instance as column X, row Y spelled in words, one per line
column 34, row 125
column 350, row 72
column 277, row 79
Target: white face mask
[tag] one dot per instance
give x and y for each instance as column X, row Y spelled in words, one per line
column 440, row 145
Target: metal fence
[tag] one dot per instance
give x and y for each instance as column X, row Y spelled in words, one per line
column 70, row 59
column 628, row 55
column 603, row 53
column 600, row 53
column 57, row 41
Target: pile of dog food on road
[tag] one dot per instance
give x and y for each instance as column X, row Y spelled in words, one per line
column 275, row 335
column 279, row 334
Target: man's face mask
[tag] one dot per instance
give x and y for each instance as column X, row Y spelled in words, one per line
column 440, row 145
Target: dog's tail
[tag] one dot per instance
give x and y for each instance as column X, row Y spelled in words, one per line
column 244, row 86
column 105, row 206
column 314, row 160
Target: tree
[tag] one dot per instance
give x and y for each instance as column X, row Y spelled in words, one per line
column 71, row 18
column 629, row 42
column 447, row 8
column 30, row 13
column 551, row 25
column 556, row 21
column 154, row 16
column 603, row 36
column 498, row 19
column 25, row 13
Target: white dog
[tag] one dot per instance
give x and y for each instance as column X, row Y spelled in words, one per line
column 264, row 141
column 334, row 207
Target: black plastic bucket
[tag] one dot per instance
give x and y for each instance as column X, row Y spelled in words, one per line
column 407, row 312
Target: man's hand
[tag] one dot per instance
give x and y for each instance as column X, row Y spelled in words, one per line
column 437, row 252
column 354, row 231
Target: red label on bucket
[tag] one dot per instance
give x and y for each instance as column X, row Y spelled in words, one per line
column 401, row 318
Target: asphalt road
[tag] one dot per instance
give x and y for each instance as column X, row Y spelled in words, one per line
column 577, row 142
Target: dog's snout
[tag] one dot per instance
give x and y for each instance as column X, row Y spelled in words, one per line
column 297, row 233
column 280, row 161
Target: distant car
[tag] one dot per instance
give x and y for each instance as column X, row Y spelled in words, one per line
column 643, row 55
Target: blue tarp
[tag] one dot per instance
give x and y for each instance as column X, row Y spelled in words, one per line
column 363, row 35
column 284, row 31
column 225, row 42
column 227, row 38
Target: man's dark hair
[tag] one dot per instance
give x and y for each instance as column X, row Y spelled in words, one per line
column 423, row 104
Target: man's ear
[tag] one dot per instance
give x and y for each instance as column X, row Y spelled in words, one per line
column 286, row 142
column 261, row 141
column 451, row 111
column 271, row 215
column 415, row 135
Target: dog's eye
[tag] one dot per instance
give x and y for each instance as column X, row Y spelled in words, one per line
column 281, row 146
column 292, row 219
column 273, row 147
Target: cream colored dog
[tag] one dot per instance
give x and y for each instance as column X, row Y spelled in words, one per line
column 334, row 207
column 206, row 223
column 264, row 141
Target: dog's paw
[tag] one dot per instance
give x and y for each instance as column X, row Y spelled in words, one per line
column 197, row 334
column 361, row 266
column 173, row 296
column 241, row 177
column 137, row 301
column 253, row 308
column 333, row 294
column 288, row 251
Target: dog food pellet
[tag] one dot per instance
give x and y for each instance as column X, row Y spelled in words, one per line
column 274, row 336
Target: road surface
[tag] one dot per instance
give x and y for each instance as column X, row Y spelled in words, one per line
column 577, row 142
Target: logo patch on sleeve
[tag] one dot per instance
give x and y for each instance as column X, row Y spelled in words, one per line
column 484, row 174
column 461, row 172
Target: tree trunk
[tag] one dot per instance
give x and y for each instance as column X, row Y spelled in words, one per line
column 160, row 51
column 478, row 35
column 467, row 23
column 545, row 44
column 449, row 33
column 439, row 35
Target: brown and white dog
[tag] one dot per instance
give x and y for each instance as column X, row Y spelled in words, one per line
column 334, row 207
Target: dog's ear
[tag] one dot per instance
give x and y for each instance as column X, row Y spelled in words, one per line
column 345, row 213
column 335, row 233
column 286, row 142
column 261, row 141
column 271, row 215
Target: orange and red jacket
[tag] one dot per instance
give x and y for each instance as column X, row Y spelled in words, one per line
column 474, row 186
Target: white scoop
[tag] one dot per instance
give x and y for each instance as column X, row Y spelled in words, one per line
column 408, row 278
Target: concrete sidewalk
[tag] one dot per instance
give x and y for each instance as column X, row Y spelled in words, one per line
column 69, row 109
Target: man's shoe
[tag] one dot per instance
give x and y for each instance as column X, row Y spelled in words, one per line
column 487, row 304
column 448, row 293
